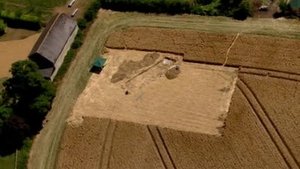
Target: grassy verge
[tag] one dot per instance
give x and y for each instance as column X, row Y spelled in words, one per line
column 8, row 162
column 17, row 160
column 40, row 8
column 23, row 154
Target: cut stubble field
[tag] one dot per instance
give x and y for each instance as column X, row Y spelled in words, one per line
column 254, row 136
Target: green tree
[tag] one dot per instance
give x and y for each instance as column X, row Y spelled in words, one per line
column 28, row 93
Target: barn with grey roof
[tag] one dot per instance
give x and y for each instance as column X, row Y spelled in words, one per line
column 53, row 44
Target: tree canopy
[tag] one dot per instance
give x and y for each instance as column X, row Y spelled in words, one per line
column 26, row 99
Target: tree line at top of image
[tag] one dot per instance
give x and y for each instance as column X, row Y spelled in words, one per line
column 238, row 9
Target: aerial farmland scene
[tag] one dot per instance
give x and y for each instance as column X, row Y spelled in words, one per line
column 149, row 84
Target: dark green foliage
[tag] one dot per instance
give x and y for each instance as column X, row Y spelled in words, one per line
column 78, row 40
column 12, row 133
column 243, row 10
column 23, row 154
column 5, row 113
column 82, row 23
column 239, row 9
column 2, row 27
column 283, row 5
column 66, row 64
column 17, row 19
column 154, row 6
column 27, row 98
column 91, row 13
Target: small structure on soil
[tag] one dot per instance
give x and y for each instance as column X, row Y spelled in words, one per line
column 53, row 44
column 98, row 65
column 172, row 72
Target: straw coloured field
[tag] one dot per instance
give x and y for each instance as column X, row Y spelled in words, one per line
column 120, row 119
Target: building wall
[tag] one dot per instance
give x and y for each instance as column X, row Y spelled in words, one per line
column 64, row 52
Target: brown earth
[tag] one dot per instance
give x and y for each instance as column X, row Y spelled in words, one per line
column 145, row 95
column 16, row 34
column 280, row 99
column 245, row 144
column 12, row 51
column 263, row 52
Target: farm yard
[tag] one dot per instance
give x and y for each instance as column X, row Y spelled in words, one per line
column 258, row 131
column 14, row 50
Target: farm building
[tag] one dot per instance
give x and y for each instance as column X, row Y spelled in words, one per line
column 53, row 44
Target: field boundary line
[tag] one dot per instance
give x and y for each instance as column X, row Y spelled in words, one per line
column 156, row 147
column 269, row 126
column 161, row 147
column 228, row 50
column 255, row 70
column 107, row 144
column 16, row 160
column 145, row 50
column 166, row 147
column 274, row 74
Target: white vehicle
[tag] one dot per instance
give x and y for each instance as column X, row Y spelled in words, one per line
column 263, row 8
column 74, row 12
column 71, row 3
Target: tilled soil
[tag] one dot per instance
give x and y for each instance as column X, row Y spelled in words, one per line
column 255, row 51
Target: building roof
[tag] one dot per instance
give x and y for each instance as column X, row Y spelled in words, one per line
column 54, row 37
column 99, row 62
column 295, row 4
column 47, row 72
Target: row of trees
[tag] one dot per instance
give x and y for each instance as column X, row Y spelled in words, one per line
column 24, row 103
column 239, row 9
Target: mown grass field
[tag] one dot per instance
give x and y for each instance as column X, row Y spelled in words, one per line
column 39, row 8
column 8, row 162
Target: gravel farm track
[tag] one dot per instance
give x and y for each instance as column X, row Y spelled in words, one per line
column 262, row 126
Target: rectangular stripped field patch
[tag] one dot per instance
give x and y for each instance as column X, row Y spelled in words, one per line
column 158, row 89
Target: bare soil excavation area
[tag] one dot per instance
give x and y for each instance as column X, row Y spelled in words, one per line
column 185, row 99
column 196, row 99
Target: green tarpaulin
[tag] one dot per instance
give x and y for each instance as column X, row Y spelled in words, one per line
column 99, row 62
column 295, row 4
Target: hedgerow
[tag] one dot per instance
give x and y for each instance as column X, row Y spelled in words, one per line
column 17, row 19
column 239, row 9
